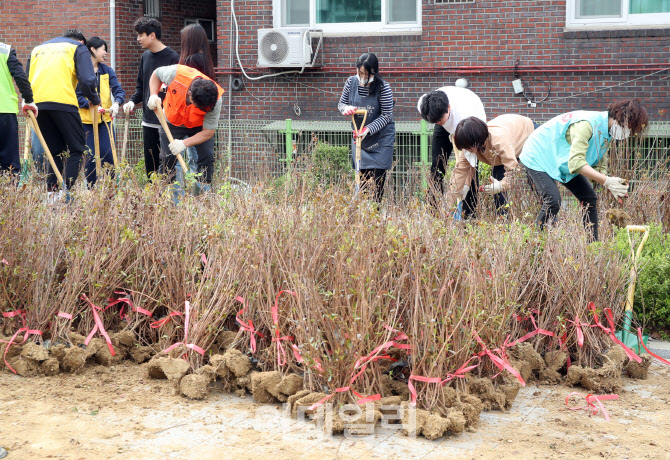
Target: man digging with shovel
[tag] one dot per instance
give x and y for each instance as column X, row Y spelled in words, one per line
column 192, row 108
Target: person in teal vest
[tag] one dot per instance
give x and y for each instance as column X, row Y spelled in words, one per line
column 11, row 68
column 573, row 148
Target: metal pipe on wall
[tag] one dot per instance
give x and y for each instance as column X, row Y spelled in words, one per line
column 112, row 32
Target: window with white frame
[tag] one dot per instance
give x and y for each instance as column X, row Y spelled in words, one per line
column 349, row 17
column 207, row 24
column 617, row 13
column 153, row 8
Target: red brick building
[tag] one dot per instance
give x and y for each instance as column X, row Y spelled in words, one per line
column 574, row 53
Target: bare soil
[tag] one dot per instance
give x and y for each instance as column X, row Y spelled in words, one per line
column 119, row 412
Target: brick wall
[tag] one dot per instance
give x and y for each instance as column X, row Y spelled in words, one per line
column 27, row 23
column 487, row 33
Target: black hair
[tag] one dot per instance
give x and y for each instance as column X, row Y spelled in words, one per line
column 95, row 43
column 471, row 134
column 199, row 62
column 148, row 26
column 434, row 105
column 204, row 93
column 75, row 35
column 370, row 63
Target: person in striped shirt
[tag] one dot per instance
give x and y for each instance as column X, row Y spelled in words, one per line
column 369, row 91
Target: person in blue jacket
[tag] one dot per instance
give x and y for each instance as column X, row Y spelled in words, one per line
column 368, row 90
column 573, row 148
column 111, row 96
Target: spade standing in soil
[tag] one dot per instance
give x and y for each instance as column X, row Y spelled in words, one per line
column 369, row 91
column 568, row 147
column 497, row 143
column 111, row 96
column 10, row 67
column 446, row 107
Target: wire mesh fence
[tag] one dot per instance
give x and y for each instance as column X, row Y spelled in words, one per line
column 255, row 150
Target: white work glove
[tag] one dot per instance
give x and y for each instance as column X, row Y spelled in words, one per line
column 154, row 102
column 362, row 133
column 348, row 110
column 617, row 186
column 177, row 146
column 114, row 110
column 101, row 110
column 464, row 193
column 493, row 188
column 26, row 107
column 128, row 107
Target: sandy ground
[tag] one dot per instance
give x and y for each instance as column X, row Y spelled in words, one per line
column 119, row 413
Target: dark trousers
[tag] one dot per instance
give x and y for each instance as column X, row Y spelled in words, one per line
column 374, row 180
column 64, row 135
column 205, row 153
column 152, row 150
column 441, row 150
column 579, row 186
column 9, row 143
column 106, row 156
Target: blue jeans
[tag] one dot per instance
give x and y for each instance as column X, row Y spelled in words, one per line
column 37, row 152
column 105, row 150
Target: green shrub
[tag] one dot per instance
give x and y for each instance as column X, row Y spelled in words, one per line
column 330, row 162
column 652, row 291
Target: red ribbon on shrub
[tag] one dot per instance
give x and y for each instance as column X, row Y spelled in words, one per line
column 247, row 326
column 163, row 321
column 281, row 353
column 460, row 373
column 610, row 330
column 501, row 362
column 641, row 340
column 589, row 401
column 192, row 346
column 98, row 327
column 361, row 399
column 126, row 301
column 28, row 332
column 4, row 262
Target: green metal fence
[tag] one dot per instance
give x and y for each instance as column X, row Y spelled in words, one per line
column 252, row 150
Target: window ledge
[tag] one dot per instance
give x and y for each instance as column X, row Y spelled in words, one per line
column 613, row 32
column 376, row 33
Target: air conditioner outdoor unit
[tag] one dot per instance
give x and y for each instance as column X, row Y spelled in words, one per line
column 284, row 48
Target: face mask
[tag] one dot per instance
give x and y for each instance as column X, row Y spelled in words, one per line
column 363, row 81
column 618, row 133
column 471, row 157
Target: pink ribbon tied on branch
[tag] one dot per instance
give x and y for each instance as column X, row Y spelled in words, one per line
column 125, row 300
column 28, row 332
column 589, row 401
column 610, row 330
column 191, row 346
column 247, row 326
column 459, row 373
column 281, row 353
column 98, row 327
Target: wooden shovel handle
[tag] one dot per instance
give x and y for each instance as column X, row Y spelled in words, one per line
column 161, row 118
column 47, row 152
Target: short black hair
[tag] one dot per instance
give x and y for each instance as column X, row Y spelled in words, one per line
column 95, row 43
column 74, row 34
column 204, row 93
column 471, row 134
column 434, row 105
column 148, row 26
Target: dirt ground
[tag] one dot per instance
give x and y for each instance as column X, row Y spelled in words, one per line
column 119, row 412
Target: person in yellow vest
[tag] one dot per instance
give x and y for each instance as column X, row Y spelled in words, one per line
column 111, row 96
column 192, row 108
column 54, row 69
column 11, row 68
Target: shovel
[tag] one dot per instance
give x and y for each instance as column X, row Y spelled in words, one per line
column 625, row 335
column 33, row 124
column 96, row 140
column 161, row 118
column 357, row 158
column 26, row 155
column 125, row 136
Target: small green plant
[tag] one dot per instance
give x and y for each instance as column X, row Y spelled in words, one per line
column 330, row 162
